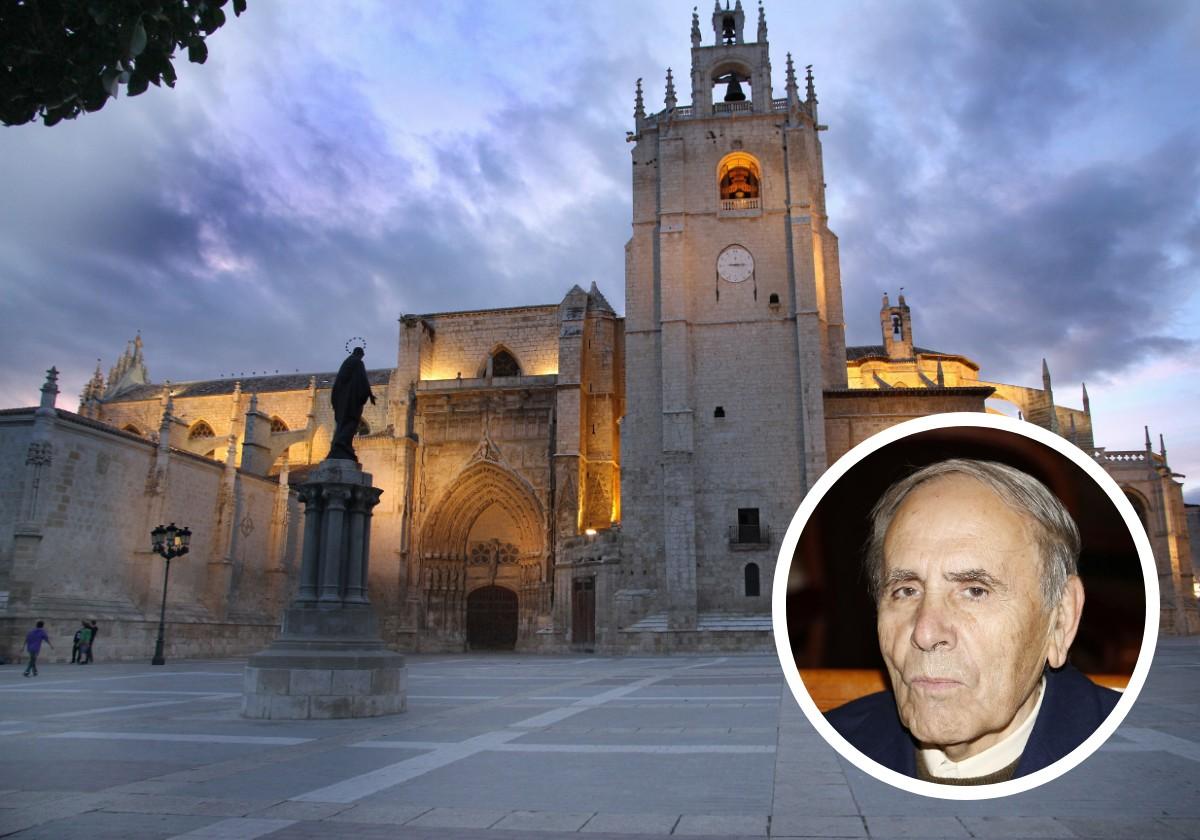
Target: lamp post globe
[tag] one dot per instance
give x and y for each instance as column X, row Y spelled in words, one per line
column 167, row 542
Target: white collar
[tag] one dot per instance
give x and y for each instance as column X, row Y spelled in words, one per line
column 994, row 758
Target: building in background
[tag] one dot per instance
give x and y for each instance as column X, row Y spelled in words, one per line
column 555, row 477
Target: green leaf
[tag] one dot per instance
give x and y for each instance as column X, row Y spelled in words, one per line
column 111, row 79
column 138, row 83
column 239, row 6
column 197, row 51
column 137, row 42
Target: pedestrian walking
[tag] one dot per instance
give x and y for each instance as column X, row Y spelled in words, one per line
column 75, row 642
column 85, row 643
column 33, row 644
column 92, row 645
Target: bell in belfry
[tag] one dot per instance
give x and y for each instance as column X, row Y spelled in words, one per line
column 733, row 91
column 728, row 30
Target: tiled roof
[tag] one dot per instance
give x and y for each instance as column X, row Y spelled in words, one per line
column 252, row 384
column 864, row 351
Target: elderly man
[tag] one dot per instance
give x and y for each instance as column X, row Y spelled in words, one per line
column 973, row 569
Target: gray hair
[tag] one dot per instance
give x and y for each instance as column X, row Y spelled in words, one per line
column 1055, row 531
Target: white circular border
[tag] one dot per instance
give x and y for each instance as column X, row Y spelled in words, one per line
column 792, row 538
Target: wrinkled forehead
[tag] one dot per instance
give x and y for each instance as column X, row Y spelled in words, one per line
column 955, row 519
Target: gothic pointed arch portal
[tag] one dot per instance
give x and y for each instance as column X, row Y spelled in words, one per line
column 487, row 532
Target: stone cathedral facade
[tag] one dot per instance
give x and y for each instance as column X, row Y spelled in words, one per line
column 554, row 477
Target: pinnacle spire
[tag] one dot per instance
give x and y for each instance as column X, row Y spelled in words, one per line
column 695, row 26
column 49, row 390
column 1149, row 446
column 793, row 90
column 1087, row 408
column 811, row 90
column 762, row 23
column 639, row 107
column 1162, row 447
column 670, row 98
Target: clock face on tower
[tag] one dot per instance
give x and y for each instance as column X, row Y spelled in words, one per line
column 735, row 264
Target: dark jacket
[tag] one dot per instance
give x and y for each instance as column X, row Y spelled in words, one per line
column 1072, row 709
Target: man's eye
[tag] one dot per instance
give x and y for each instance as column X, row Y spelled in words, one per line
column 977, row 593
column 901, row 592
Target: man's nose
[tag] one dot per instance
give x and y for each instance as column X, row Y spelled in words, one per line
column 933, row 626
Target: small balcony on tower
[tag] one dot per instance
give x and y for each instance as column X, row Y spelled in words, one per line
column 739, row 182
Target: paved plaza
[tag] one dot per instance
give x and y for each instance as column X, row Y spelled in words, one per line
column 507, row 746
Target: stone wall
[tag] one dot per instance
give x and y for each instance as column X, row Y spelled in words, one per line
column 852, row 416
column 84, row 552
column 463, row 341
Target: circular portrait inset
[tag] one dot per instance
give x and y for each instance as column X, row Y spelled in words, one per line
column 966, row 606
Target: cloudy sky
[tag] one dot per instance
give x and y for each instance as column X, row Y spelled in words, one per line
column 1029, row 172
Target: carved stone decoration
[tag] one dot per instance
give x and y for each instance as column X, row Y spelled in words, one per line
column 486, row 451
column 39, row 454
column 494, row 551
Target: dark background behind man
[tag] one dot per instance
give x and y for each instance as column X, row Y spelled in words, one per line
column 831, row 617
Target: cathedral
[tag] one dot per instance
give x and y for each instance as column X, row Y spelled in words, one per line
column 555, row 477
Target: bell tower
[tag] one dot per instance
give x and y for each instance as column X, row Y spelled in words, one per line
column 733, row 325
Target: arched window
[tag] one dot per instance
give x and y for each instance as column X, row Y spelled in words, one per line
column 733, row 82
column 739, row 177
column 503, row 364
column 752, row 585
column 363, row 429
column 277, row 425
column 200, row 429
column 132, row 429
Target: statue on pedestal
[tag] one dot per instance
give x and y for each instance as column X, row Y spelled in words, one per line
column 329, row 660
column 351, row 390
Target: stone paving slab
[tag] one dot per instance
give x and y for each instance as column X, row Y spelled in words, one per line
column 98, row 825
column 631, row 823
column 459, row 818
column 542, row 821
column 296, row 811
column 230, row 807
column 810, row 826
column 721, row 825
column 238, row 829
column 1016, row 827
column 382, row 813
column 926, row 828
column 1113, row 827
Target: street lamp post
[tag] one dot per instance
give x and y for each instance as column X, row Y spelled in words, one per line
column 167, row 542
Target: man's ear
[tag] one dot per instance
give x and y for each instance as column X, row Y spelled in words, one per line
column 1065, row 622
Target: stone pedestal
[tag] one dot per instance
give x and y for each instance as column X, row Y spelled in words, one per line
column 329, row 660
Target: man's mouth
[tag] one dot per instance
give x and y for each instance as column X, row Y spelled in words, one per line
column 934, row 684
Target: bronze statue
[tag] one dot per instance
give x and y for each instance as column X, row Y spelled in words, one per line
column 351, row 390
